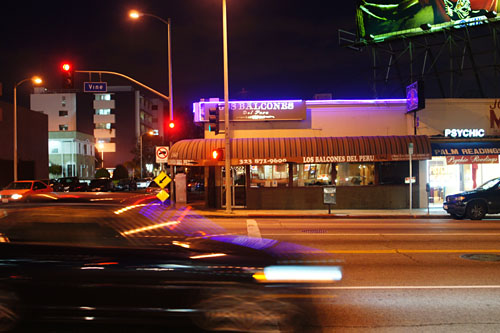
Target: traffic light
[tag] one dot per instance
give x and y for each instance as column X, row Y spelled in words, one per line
column 67, row 76
column 213, row 120
column 171, row 125
column 218, row 154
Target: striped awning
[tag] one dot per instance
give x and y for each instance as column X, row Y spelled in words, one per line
column 252, row 151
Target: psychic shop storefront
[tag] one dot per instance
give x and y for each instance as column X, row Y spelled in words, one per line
column 465, row 142
column 290, row 173
column 459, row 165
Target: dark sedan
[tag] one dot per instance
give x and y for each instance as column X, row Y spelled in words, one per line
column 145, row 263
column 477, row 203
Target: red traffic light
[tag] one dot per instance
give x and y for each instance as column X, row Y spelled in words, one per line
column 218, row 154
column 66, row 67
column 171, row 124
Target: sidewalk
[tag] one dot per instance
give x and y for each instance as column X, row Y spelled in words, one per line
column 416, row 213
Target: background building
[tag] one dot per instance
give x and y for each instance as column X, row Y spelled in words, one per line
column 32, row 144
column 83, row 126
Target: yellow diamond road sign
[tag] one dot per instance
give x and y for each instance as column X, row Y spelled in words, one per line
column 162, row 180
column 162, row 195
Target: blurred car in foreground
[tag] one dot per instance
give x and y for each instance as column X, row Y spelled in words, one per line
column 101, row 185
column 475, row 204
column 129, row 265
column 22, row 190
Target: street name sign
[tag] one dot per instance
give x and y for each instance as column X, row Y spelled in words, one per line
column 95, row 86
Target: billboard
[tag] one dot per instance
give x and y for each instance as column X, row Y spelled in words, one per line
column 381, row 19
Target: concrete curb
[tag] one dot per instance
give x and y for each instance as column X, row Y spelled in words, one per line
column 321, row 216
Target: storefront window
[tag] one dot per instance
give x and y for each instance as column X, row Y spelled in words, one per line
column 354, row 174
column 446, row 177
column 312, row 174
column 269, row 175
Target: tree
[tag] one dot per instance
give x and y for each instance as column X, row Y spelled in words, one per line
column 102, row 173
column 120, row 172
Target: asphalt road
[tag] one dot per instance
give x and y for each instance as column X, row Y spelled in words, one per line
column 399, row 275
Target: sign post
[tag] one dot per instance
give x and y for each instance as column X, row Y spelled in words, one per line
column 410, row 152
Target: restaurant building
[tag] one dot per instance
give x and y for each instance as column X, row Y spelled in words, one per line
column 283, row 153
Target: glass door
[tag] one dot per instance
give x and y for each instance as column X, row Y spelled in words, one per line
column 238, row 187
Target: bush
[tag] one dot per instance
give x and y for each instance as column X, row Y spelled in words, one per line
column 102, row 173
column 120, row 172
column 55, row 169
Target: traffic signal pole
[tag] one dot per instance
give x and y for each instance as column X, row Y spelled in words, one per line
column 128, row 78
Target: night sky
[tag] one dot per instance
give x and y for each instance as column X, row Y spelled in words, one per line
column 278, row 49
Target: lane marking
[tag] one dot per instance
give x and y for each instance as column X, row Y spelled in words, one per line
column 253, row 229
column 401, row 251
column 407, row 287
column 382, row 234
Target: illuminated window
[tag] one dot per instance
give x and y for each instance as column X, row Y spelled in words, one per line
column 54, row 146
column 269, row 175
column 63, row 127
column 103, row 97
column 63, row 113
column 312, row 174
column 355, row 174
column 103, row 126
column 103, row 112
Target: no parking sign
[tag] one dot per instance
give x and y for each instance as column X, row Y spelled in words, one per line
column 161, row 154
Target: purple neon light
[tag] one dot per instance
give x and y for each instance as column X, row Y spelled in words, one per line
column 314, row 102
column 356, row 101
column 261, row 101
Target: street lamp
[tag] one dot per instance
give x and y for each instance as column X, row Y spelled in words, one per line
column 140, row 144
column 134, row 14
column 36, row 80
column 227, row 136
column 101, row 148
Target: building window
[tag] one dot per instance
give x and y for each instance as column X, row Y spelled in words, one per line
column 54, row 147
column 84, row 149
column 103, row 126
column 103, row 97
column 63, row 113
column 312, row 174
column 354, row 174
column 269, row 175
column 103, row 112
column 63, row 127
column 154, row 107
column 67, row 147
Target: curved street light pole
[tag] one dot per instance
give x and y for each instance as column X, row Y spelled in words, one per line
column 135, row 15
column 227, row 134
column 35, row 80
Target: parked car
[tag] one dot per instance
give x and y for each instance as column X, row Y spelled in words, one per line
column 82, row 265
column 475, row 204
column 70, row 184
column 154, row 188
column 101, row 185
column 126, row 184
column 143, row 183
column 22, row 190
